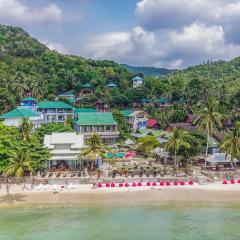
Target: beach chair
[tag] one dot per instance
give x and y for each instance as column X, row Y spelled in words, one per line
column 40, row 187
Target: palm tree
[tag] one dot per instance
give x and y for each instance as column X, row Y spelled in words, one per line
column 19, row 163
column 208, row 121
column 94, row 150
column 25, row 129
column 20, row 84
column 231, row 143
column 176, row 142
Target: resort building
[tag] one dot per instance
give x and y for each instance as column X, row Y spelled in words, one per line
column 87, row 90
column 64, row 149
column 70, row 96
column 183, row 125
column 136, row 119
column 57, row 112
column 97, row 122
column 111, row 86
column 29, row 103
column 137, row 82
column 16, row 116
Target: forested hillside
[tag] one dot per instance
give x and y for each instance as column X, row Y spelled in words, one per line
column 148, row 71
column 28, row 66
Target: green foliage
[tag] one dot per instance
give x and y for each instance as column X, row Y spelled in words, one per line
column 178, row 141
column 147, row 144
column 231, row 143
column 12, row 145
column 179, row 115
column 197, row 142
column 50, row 128
column 123, row 127
column 94, row 150
column 147, row 71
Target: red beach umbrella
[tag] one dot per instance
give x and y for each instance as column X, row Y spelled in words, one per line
column 107, row 184
column 140, row 184
column 154, row 184
column 168, row 183
column 134, row 184
column 225, row 182
column 232, row 181
column 112, row 184
column 99, row 185
column 126, row 185
column 148, row 184
column 182, row 183
column 190, row 183
column 161, row 183
column 175, row 183
column 120, row 184
column 238, row 181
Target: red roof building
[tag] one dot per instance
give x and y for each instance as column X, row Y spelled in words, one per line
column 152, row 123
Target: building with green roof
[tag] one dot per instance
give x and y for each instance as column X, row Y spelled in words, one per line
column 55, row 111
column 102, row 123
column 137, row 82
column 70, row 96
column 15, row 117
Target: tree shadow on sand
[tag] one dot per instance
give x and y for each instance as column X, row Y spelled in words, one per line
column 12, row 198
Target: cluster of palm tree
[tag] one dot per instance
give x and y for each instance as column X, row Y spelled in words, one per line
column 20, row 83
column 20, row 160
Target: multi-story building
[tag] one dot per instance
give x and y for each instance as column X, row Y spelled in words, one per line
column 16, row 116
column 101, row 123
column 64, row 149
column 57, row 112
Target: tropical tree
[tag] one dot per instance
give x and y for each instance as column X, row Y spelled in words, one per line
column 25, row 129
column 208, row 121
column 231, row 143
column 94, row 150
column 147, row 144
column 177, row 141
column 20, row 162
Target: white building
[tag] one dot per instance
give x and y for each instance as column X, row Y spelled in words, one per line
column 137, row 82
column 57, row 112
column 16, row 116
column 64, row 149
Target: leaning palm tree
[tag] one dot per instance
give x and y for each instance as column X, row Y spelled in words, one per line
column 25, row 129
column 231, row 143
column 19, row 163
column 94, row 150
column 176, row 142
column 208, row 121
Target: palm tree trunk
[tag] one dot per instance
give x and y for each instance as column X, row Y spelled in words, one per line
column 175, row 158
column 206, row 154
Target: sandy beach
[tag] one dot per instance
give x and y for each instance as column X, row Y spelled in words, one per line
column 216, row 192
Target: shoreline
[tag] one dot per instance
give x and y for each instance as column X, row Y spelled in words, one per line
column 84, row 194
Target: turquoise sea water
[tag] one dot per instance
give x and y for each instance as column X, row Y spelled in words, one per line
column 147, row 222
